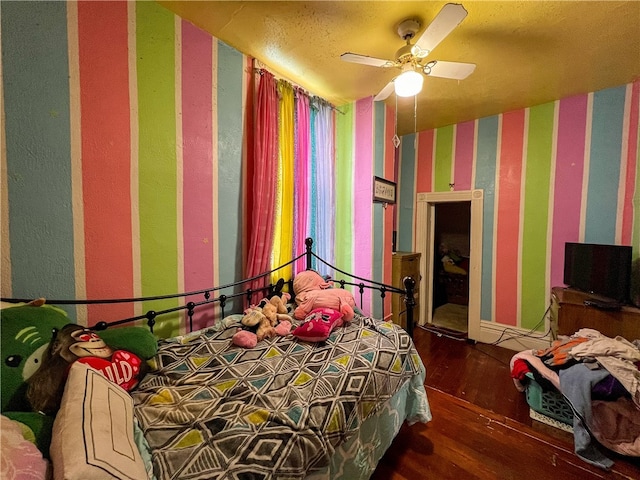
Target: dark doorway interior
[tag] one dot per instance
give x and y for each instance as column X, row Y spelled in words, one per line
column 451, row 265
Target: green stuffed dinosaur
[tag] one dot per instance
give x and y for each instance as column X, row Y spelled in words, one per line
column 25, row 333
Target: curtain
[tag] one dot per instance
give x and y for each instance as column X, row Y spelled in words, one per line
column 283, row 218
column 265, row 164
column 293, row 186
column 323, row 178
column 301, row 178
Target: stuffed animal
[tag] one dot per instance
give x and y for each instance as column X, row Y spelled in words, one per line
column 20, row 457
column 313, row 291
column 26, row 330
column 76, row 343
column 257, row 321
column 265, row 320
column 276, row 310
column 318, row 325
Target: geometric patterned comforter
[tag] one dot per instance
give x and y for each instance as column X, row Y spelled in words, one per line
column 212, row 410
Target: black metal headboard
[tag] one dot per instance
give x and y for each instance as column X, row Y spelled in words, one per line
column 268, row 289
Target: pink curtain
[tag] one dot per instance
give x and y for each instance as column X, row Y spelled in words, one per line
column 301, row 177
column 265, row 172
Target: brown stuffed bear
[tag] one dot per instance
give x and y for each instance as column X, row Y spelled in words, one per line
column 264, row 320
column 276, row 310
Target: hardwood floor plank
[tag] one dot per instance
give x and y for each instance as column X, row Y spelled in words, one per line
column 481, row 428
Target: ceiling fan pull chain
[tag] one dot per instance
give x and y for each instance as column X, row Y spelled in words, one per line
column 396, row 139
column 415, row 122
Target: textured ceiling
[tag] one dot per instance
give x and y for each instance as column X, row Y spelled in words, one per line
column 527, row 52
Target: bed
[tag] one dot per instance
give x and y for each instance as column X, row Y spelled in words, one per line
column 284, row 409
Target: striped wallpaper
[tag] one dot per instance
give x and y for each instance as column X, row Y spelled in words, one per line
column 120, row 172
column 124, row 159
column 364, row 230
column 124, row 162
column 553, row 173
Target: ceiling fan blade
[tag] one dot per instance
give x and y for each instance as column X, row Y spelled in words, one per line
column 455, row 70
column 363, row 59
column 385, row 92
column 447, row 19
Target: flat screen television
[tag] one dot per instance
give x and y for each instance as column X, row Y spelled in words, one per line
column 601, row 270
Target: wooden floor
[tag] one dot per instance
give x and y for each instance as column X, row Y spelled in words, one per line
column 481, row 427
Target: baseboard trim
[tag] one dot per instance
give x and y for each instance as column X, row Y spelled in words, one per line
column 513, row 338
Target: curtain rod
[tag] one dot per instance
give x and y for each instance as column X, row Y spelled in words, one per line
column 261, row 68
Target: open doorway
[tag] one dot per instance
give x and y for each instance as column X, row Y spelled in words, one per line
column 451, row 236
column 428, row 245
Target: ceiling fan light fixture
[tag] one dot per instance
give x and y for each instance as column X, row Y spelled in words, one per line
column 418, row 52
column 408, row 83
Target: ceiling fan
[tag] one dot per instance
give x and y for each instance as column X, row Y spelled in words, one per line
column 410, row 58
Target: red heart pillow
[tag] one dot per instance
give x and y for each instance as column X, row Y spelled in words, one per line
column 123, row 368
column 318, row 325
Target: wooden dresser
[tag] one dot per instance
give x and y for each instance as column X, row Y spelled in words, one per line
column 404, row 264
column 570, row 314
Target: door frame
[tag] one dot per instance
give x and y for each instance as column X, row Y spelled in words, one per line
column 424, row 243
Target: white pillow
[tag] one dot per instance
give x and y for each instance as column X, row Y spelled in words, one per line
column 93, row 430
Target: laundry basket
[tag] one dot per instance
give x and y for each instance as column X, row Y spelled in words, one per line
column 549, row 403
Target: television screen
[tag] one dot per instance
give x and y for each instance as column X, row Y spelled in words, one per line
column 602, row 270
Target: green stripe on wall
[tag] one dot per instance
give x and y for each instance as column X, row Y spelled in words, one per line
column 344, row 184
column 155, row 45
column 35, row 74
column 444, row 158
column 536, row 215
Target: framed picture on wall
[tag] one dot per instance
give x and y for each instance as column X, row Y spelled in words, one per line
column 384, row 191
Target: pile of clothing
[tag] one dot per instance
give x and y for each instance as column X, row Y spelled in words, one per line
column 600, row 379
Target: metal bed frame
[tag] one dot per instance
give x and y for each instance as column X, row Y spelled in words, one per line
column 222, row 299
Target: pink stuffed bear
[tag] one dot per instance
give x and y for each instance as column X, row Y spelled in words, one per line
column 312, row 291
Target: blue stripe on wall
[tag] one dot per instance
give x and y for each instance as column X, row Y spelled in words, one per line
column 407, row 177
column 604, row 165
column 36, row 92
column 378, row 209
column 485, row 179
column 230, row 127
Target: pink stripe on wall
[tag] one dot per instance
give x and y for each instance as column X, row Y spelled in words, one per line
column 464, row 155
column 362, row 192
column 424, row 167
column 508, row 228
column 570, row 150
column 632, row 155
column 106, row 150
column 197, row 147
